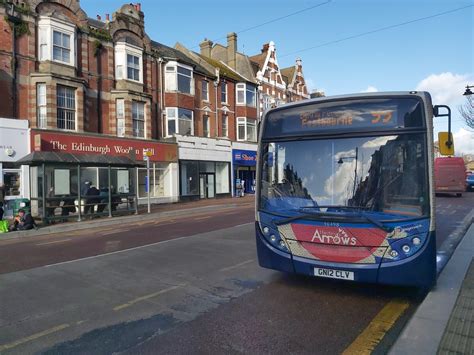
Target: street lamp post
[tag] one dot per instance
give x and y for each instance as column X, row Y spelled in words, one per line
column 341, row 160
column 468, row 90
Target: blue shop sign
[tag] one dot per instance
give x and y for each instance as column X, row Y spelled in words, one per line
column 244, row 157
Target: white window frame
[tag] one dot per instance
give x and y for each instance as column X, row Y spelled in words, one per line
column 46, row 28
column 66, row 109
column 242, row 89
column 206, row 126
column 244, row 121
column 122, row 50
column 139, row 117
column 171, row 77
column 41, row 106
column 172, row 115
column 225, row 125
column 120, row 113
column 224, row 89
column 205, row 89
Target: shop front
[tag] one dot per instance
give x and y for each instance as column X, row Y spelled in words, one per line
column 204, row 168
column 103, row 160
column 244, row 162
column 14, row 145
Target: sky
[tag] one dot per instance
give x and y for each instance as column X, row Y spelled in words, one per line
column 346, row 46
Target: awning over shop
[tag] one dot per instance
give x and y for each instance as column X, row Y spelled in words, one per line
column 39, row 158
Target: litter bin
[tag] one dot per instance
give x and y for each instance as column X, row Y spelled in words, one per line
column 20, row 203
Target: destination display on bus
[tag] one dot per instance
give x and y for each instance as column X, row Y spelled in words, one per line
column 353, row 115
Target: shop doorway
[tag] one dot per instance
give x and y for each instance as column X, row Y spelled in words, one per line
column 207, row 185
column 247, row 178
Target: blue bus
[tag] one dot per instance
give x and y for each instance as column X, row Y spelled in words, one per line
column 345, row 189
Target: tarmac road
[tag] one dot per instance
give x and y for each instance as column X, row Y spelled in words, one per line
column 196, row 288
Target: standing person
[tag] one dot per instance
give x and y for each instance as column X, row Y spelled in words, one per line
column 24, row 221
column 1, row 210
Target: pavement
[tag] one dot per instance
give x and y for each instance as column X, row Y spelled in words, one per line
column 444, row 322
column 157, row 211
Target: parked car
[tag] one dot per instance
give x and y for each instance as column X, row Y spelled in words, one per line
column 470, row 182
column 450, row 175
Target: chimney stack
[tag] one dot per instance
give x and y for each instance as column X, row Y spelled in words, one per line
column 232, row 50
column 206, row 47
column 107, row 17
column 139, row 6
column 99, row 18
column 265, row 47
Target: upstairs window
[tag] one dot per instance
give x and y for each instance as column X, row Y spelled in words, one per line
column 120, row 110
column 205, row 90
column 138, row 119
column 246, row 95
column 41, row 116
column 56, row 41
column 179, row 121
column 246, row 129
column 206, row 130
column 179, row 78
column 66, row 108
column 223, row 92
column 225, row 126
column 128, row 62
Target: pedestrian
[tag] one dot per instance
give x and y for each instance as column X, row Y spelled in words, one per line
column 1, row 210
column 92, row 199
column 24, row 221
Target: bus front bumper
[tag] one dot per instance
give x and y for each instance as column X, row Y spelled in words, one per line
column 418, row 270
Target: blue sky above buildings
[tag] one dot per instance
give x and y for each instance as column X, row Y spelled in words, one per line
column 434, row 54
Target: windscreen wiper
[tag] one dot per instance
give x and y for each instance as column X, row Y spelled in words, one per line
column 334, row 216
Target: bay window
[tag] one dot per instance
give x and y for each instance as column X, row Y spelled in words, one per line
column 179, row 121
column 56, row 41
column 128, row 62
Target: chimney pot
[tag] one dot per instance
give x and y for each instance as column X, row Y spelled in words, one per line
column 107, row 17
column 99, row 18
column 139, row 6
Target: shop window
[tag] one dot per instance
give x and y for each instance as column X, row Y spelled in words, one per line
column 66, row 108
column 12, row 182
column 138, row 119
column 222, row 178
column 41, row 116
column 189, row 176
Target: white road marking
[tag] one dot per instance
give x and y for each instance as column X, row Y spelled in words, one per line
column 54, row 242
column 237, row 265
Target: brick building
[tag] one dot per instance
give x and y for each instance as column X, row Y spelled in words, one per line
column 105, row 81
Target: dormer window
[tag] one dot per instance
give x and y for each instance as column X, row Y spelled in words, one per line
column 56, row 41
column 179, row 77
column 128, row 62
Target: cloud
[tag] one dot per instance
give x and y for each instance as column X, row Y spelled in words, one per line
column 370, row 88
column 463, row 142
column 445, row 88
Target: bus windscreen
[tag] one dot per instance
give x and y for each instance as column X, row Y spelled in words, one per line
column 348, row 115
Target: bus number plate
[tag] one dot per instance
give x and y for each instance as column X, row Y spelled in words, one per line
column 334, row 274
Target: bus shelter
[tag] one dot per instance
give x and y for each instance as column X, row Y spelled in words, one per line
column 66, row 186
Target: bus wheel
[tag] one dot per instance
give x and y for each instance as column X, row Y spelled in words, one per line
column 458, row 195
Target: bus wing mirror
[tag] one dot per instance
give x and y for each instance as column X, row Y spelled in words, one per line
column 446, row 144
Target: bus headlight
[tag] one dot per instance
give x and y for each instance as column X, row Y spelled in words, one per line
column 416, row 241
column 273, row 238
column 406, row 249
column 393, row 253
column 283, row 245
column 266, row 230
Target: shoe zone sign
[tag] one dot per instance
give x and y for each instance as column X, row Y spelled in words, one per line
column 244, row 157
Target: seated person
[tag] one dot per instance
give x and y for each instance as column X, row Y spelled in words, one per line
column 23, row 221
